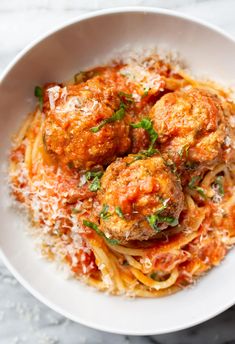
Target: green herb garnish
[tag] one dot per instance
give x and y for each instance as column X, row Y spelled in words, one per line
column 156, row 218
column 149, row 152
column 192, row 185
column 93, row 226
column 117, row 116
column 201, row 191
column 143, row 155
column 95, row 177
column 193, row 182
column 38, row 92
column 147, row 124
column 219, row 185
column 119, row 212
column 95, row 184
column 92, row 174
column 104, row 214
column 136, row 158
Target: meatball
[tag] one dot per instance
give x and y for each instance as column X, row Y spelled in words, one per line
column 191, row 128
column 141, row 198
column 85, row 124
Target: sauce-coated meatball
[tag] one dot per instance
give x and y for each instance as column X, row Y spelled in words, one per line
column 141, row 197
column 74, row 111
column 191, row 128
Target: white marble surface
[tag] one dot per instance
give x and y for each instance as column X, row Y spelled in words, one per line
column 23, row 319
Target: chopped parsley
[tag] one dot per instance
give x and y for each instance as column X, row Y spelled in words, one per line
column 156, row 218
column 95, row 177
column 219, row 185
column 38, row 92
column 149, row 152
column 136, row 158
column 95, row 184
column 192, row 185
column 119, row 212
column 147, row 124
column 92, row 174
column 104, row 214
column 117, row 116
column 143, row 155
column 94, row 226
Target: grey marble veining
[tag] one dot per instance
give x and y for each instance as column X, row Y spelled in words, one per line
column 23, row 319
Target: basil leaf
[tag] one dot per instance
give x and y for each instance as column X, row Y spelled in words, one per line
column 38, row 92
column 117, row 116
column 93, row 226
column 147, row 124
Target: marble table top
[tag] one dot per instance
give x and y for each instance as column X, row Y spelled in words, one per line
column 23, row 319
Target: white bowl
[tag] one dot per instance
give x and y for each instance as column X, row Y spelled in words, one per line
column 55, row 57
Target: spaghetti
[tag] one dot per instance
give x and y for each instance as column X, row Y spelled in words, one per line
column 62, row 200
